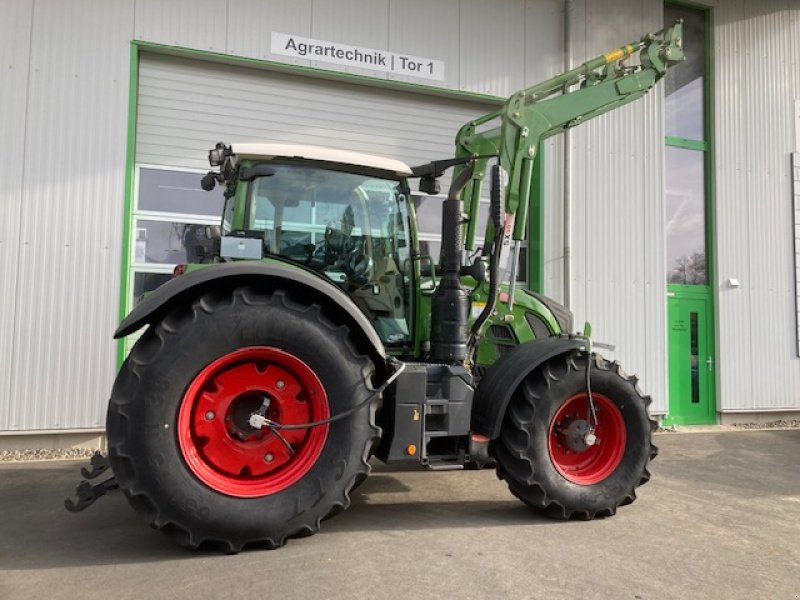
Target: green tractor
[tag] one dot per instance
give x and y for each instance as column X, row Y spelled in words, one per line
column 317, row 336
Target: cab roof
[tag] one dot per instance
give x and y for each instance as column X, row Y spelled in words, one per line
column 320, row 153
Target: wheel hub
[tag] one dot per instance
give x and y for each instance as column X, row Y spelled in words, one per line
column 581, row 453
column 237, row 419
column 576, row 435
column 215, row 434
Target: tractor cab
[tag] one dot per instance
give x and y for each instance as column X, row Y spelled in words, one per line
column 343, row 215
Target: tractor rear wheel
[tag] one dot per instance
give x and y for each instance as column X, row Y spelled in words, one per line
column 180, row 441
column 550, row 457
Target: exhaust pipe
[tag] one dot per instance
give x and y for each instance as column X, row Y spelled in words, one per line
column 450, row 301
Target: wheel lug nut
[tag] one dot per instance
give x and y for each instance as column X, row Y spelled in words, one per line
column 210, row 415
column 268, row 457
column 280, row 384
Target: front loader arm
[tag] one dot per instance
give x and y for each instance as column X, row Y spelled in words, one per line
column 552, row 106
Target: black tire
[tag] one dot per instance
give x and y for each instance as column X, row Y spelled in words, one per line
column 524, row 451
column 144, row 449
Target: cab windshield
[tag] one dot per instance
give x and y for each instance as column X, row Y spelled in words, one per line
column 351, row 228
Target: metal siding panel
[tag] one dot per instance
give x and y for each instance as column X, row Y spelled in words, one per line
column 68, row 288
column 618, row 234
column 544, row 40
column 251, row 23
column 492, row 39
column 756, row 83
column 185, row 106
column 427, row 28
column 198, row 24
column 653, row 242
column 544, row 58
column 357, row 22
column 734, row 373
column 554, row 218
column 15, row 42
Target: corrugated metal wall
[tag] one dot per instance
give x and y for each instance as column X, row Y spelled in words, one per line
column 15, row 43
column 61, row 236
column 757, row 81
column 618, row 273
column 69, row 224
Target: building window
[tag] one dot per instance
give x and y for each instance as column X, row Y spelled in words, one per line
column 172, row 217
column 687, row 153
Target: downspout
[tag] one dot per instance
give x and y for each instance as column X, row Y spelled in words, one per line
column 567, row 209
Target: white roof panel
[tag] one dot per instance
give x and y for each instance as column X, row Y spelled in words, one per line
column 322, row 154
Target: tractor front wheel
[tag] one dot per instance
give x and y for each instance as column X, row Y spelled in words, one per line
column 181, row 443
column 559, row 458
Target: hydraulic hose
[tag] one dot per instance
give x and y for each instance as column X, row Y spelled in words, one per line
column 258, row 419
column 494, row 264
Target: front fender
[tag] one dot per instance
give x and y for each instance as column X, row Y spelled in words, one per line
column 504, row 377
column 187, row 287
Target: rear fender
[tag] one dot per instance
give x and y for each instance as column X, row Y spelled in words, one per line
column 186, row 288
column 505, row 376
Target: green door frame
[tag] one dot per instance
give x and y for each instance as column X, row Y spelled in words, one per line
column 706, row 292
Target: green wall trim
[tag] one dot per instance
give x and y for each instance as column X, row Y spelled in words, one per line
column 686, row 143
column 280, row 67
column 130, row 159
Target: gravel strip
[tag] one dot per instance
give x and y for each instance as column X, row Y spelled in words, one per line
column 779, row 424
column 36, row 455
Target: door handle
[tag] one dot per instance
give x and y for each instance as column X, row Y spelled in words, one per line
column 710, row 363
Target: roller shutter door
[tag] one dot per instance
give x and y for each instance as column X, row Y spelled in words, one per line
column 187, row 105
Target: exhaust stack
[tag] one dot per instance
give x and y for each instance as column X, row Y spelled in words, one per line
column 450, row 301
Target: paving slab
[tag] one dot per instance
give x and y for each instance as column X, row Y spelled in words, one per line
column 719, row 519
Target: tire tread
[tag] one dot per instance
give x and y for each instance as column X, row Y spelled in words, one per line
column 147, row 350
column 512, row 450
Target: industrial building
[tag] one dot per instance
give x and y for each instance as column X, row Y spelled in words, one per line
column 672, row 225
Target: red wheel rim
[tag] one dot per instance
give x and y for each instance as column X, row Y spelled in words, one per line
column 214, row 435
column 580, row 463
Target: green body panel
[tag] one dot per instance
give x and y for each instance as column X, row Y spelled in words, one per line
column 514, row 318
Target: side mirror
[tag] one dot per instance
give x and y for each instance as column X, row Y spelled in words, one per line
column 209, row 181
column 429, row 185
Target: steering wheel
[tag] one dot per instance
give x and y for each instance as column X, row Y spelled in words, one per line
column 358, row 266
column 338, row 244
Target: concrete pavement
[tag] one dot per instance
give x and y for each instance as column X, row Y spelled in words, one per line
column 719, row 519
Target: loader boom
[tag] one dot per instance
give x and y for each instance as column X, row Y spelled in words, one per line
column 552, row 106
